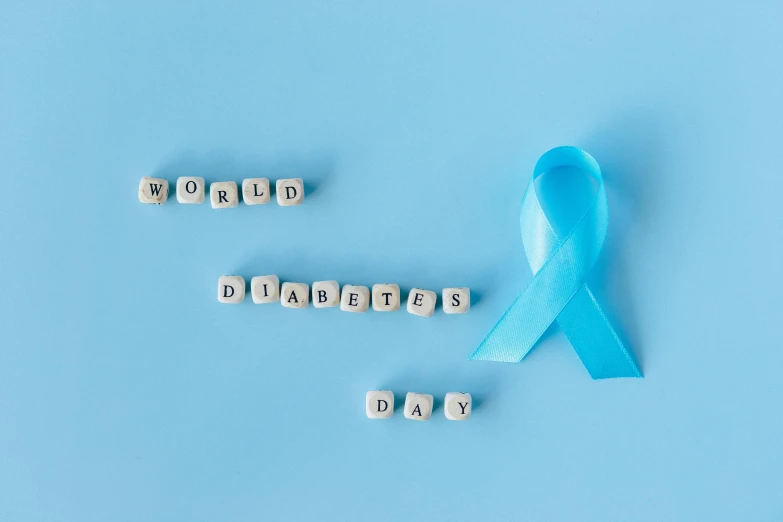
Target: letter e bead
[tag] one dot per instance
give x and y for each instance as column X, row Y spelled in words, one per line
column 355, row 298
column 421, row 302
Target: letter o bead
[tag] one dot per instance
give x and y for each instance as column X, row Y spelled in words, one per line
column 379, row 404
column 190, row 190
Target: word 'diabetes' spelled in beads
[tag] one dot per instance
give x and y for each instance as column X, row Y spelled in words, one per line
column 352, row 298
column 191, row 190
column 379, row 404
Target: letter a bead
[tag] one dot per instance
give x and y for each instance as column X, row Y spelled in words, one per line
column 418, row 406
column 295, row 295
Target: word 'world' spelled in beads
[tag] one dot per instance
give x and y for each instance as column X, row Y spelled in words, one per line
column 222, row 194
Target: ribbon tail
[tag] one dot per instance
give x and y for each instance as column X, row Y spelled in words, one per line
column 510, row 339
column 594, row 338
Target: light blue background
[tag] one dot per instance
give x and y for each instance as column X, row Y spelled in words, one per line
column 127, row 393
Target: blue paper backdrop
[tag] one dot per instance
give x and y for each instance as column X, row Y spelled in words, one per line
column 127, row 393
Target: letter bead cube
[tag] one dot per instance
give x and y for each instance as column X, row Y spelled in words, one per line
column 224, row 194
column 290, row 192
column 295, row 295
column 379, row 404
column 326, row 294
column 355, row 299
column 231, row 289
column 421, row 302
column 265, row 289
column 255, row 191
column 190, row 190
column 456, row 300
column 418, row 406
column 457, row 405
column 154, row 191
column 385, row 297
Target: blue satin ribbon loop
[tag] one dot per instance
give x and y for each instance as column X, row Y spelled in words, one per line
column 558, row 291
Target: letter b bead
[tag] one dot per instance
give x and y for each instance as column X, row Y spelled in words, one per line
column 379, row 404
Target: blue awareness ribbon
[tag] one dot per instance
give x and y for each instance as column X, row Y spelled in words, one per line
column 558, row 291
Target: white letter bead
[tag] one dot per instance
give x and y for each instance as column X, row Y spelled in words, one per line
column 418, row 406
column 255, row 191
column 231, row 289
column 379, row 404
column 224, row 194
column 385, row 297
column 153, row 190
column 190, row 190
column 290, row 192
column 265, row 289
column 421, row 302
column 457, row 405
column 355, row 299
column 456, row 300
column 295, row 295
column 326, row 294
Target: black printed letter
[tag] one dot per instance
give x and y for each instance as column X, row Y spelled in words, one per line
column 321, row 296
column 416, row 410
column 155, row 189
column 385, row 405
column 292, row 297
column 255, row 190
column 288, row 194
column 222, row 196
column 455, row 300
column 417, row 299
column 225, row 291
column 353, row 299
column 463, row 406
column 187, row 187
column 386, row 295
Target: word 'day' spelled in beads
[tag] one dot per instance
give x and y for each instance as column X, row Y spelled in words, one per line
column 383, row 297
column 192, row 190
column 379, row 404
